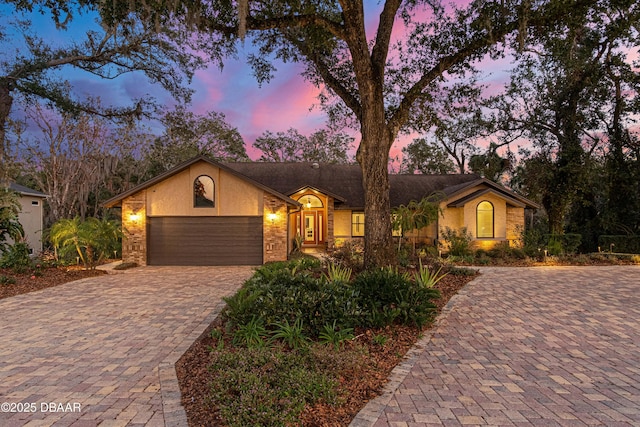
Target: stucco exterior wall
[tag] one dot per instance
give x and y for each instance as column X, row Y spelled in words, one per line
column 233, row 196
column 499, row 215
column 451, row 217
column 30, row 217
column 342, row 223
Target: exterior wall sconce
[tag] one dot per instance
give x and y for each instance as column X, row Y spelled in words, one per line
column 134, row 217
column 272, row 217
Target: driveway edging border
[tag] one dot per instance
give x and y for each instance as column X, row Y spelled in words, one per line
column 372, row 411
column 174, row 412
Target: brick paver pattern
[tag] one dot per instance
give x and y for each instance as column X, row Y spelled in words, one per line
column 548, row 346
column 99, row 343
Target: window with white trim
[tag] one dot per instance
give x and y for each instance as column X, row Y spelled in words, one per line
column 357, row 224
column 203, row 192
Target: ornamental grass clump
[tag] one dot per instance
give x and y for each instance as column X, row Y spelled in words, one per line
column 427, row 278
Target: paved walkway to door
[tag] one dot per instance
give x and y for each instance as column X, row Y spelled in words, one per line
column 101, row 351
column 525, row 346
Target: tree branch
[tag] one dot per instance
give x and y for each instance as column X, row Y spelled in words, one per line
column 443, row 65
column 335, row 84
column 383, row 36
column 294, row 21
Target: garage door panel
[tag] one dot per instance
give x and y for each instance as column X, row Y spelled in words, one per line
column 205, row 241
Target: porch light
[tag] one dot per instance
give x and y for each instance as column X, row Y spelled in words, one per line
column 308, row 202
column 134, row 217
column 272, row 217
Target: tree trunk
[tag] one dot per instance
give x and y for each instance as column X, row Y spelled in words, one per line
column 556, row 207
column 373, row 156
column 5, row 108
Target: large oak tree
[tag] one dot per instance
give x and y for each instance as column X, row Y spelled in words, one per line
column 383, row 77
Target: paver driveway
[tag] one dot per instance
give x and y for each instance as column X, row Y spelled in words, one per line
column 525, row 346
column 100, row 351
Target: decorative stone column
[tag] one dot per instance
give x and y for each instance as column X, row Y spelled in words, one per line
column 134, row 229
column 515, row 226
column 275, row 223
column 331, row 240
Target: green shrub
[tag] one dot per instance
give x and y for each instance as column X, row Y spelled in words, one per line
column 251, row 334
column 335, row 336
column 501, row 250
column 554, row 247
column 6, row 280
column 387, row 296
column 16, row 257
column 292, row 335
column 480, row 253
column 483, row 260
column 532, row 242
column 349, row 254
column 10, row 227
column 277, row 294
column 268, row 387
column 620, row 243
column 91, row 241
column 337, row 273
column 518, row 253
column 458, row 242
column 558, row 244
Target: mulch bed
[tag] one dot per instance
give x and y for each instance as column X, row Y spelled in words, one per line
column 360, row 387
column 44, row 278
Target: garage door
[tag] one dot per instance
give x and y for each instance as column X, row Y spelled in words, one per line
column 204, row 241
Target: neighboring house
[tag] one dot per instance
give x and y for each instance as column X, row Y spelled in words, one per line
column 207, row 213
column 31, row 215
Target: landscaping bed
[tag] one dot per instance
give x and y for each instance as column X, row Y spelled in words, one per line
column 362, row 366
column 12, row 283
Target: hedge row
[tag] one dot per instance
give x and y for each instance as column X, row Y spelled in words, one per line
column 621, row 243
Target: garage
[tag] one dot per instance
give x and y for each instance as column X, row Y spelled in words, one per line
column 193, row 240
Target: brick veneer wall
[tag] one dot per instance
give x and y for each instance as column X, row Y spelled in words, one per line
column 134, row 233
column 331, row 240
column 515, row 225
column 275, row 246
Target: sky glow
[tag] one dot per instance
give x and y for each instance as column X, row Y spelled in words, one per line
column 287, row 101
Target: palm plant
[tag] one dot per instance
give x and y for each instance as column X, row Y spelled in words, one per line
column 416, row 215
column 92, row 240
column 10, row 227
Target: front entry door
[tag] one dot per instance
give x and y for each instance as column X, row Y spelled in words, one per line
column 312, row 227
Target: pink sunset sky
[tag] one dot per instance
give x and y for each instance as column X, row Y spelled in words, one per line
column 285, row 102
column 288, row 101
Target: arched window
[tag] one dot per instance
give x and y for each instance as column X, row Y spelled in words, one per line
column 204, row 192
column 484, row 217
column 310, row 201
